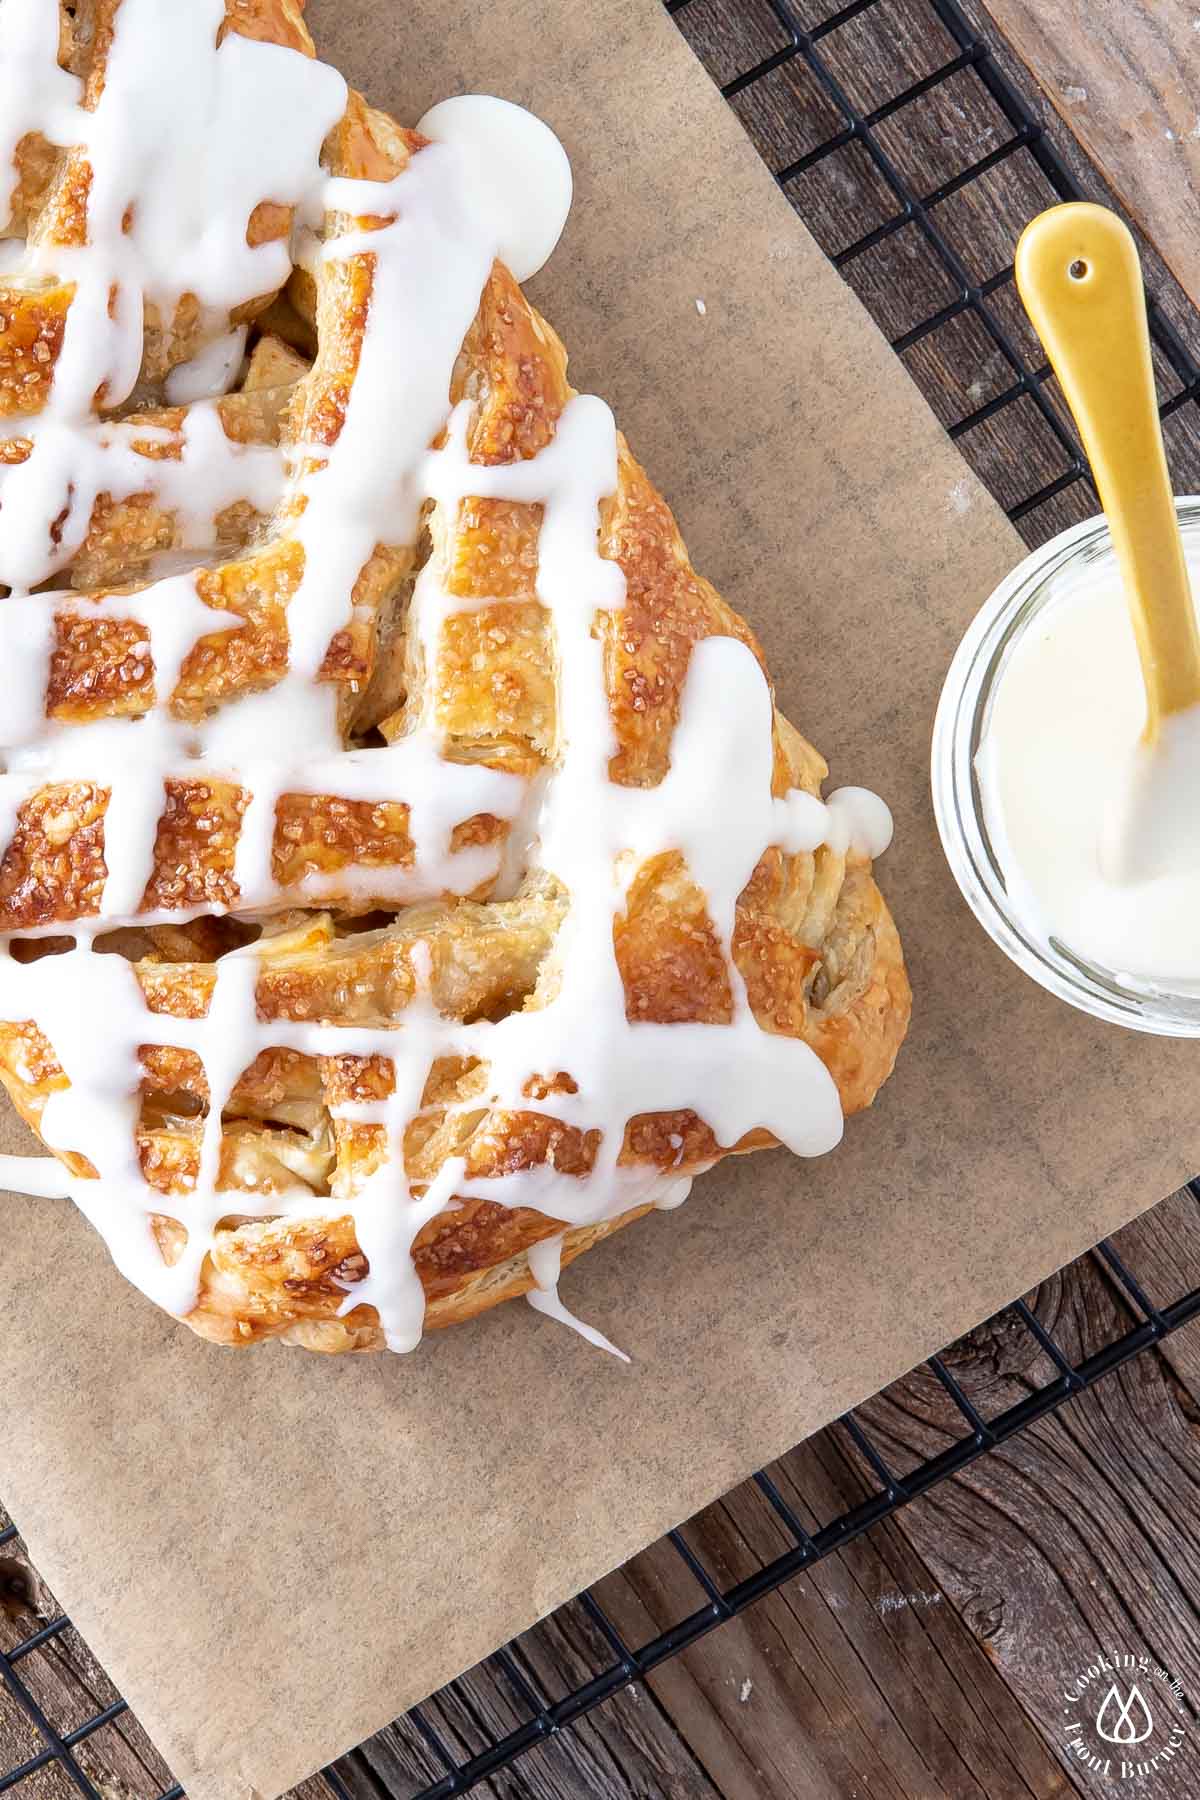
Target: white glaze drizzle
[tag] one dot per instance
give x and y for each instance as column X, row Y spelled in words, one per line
column 38, row 95
column 40, row 1175
column 267, row 110
column 73, row 463
column 212, row 372
column 516, row 168
column 177, row 168
column 545, row 1265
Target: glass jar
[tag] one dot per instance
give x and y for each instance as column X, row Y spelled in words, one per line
column 962, row 718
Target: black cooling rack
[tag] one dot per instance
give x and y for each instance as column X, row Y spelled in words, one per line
column 875, row 166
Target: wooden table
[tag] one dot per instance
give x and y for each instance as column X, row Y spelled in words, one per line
column 925, row 1661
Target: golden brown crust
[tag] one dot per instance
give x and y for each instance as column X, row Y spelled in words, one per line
column 305, row 1313
column 813, row 941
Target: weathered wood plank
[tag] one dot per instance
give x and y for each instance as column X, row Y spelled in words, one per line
column 1080, row 1533
column 857, row 1677
column 944, row 1638
column 70, row 1687
column 959, row 367
column 627, row 1750
column 1125, row 76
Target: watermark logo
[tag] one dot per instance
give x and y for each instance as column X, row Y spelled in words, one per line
column 1126, row 1721
column 1125, row 1717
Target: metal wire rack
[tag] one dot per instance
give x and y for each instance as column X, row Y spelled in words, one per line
column 886, row 156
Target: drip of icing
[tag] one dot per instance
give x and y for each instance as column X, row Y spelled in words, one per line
column 545, row 1265
column 673, row 1196
column 553, row 1308
column 448, row 220
column 40, row 1175
column 517, row 168
column 213, row 372
column 545, row 1262
column 863, row 822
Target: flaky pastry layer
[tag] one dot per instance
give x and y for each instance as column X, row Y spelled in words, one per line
column 814, row 943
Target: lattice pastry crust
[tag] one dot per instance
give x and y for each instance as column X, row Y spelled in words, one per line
column 407, row 878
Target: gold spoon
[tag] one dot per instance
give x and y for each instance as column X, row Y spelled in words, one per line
column 1080, row 280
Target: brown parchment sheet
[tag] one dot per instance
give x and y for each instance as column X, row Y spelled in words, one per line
column 273, row 1553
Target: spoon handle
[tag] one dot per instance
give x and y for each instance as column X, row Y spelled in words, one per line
column 1078, row 275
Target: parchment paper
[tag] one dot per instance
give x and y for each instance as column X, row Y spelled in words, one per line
column 274, row 1553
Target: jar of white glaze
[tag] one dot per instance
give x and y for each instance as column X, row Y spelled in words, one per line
column 1083, row 552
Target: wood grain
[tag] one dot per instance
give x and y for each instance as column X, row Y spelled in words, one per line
column 70, row 1687
column 961, row 366
column 924, row 1660
column 629, row 1750
column 1125, row 76
column 856, row 1678
column 1081, row 1532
